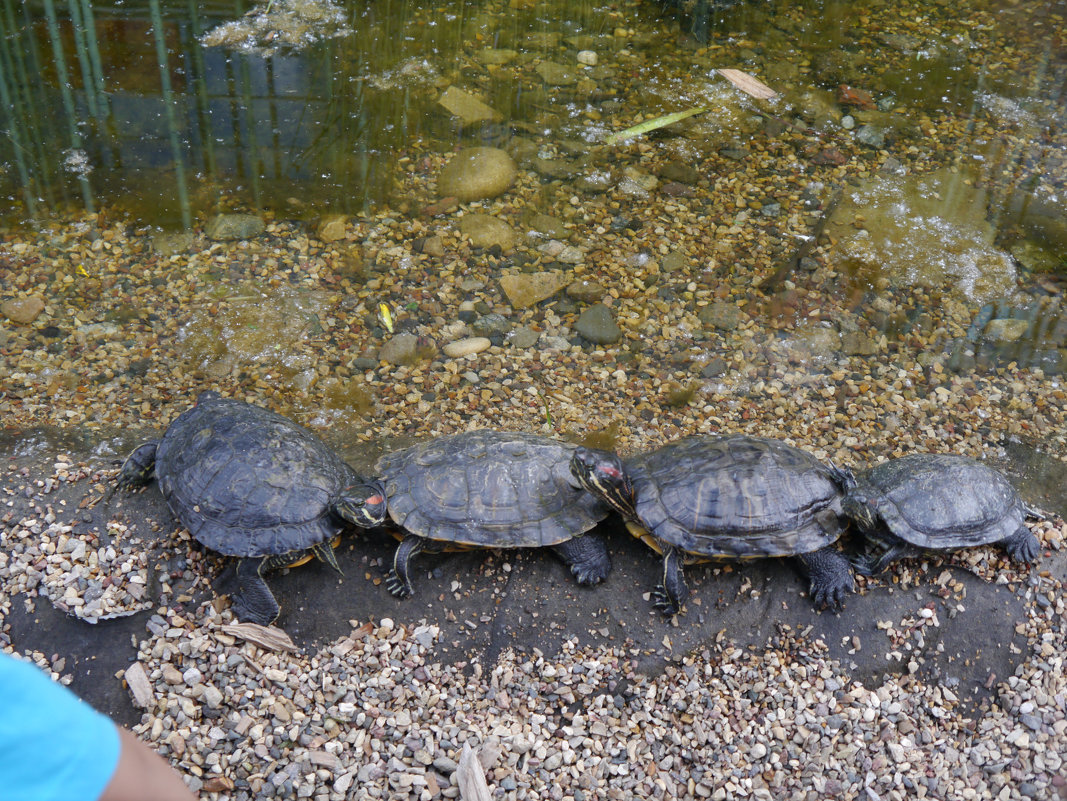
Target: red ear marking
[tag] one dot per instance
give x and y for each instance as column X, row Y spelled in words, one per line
column 375, row 499
column 611, row 471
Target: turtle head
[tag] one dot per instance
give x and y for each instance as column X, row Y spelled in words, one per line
column 861, row 507
column 363, row 504
column 603, row 474
column 138, row 467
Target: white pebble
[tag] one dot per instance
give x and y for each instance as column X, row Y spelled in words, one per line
column 466, row 347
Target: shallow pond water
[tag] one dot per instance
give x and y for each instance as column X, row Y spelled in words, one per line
column 899, row 201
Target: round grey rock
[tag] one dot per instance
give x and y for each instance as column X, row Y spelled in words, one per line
column 597, row 325
column 477, row 173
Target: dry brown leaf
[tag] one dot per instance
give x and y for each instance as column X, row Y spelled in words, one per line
column 363, row 631
column 747, row 84
column 470, row 776
column 270, row 637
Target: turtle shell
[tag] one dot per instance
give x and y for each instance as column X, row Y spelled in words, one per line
column 737, row 497
column 246, row 481
column 488, row 488
column 938, row 501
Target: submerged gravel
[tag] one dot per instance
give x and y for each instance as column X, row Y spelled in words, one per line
column 116, row 329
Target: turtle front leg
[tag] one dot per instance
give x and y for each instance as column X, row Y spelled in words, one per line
column 253, row 602
column 1022, row 545
column 671, row 593
column 137, row 470
column 829, row 574
column 586, row 556
column 397, row 580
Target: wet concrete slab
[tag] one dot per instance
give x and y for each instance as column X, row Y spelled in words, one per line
column 488, row 601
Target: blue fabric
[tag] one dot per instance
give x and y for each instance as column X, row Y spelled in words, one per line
column 53, row 745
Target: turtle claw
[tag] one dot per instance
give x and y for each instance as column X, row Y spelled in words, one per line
column 832, row 594
column 662, row 601
column 397, row 587
column 586, row 576
column 1023, row 545
column 830, row 597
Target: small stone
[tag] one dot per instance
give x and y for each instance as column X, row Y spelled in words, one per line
column 597, row 325
column 493, row 56
column 1005, row 330
column 370, row 773
column 477, row 173
column 486, row 231
column 466, row 347
column 546, row 224
column 715, row 367
column 855, row 343
column 400, row 349
column 629, row 186
column 586, row 291
column 680, row 172
column 23, row 311
column 433, row 246
column 218, row 784
column 556, row 74
column 144, row 695
column 193, row 677
column 332, row 228
column 587, row 57
column 167, row 243
column 343, row 782
column 212, row 696
column 467, row 108
column 523, row 337
column 570, row 255
column 445, row 765
column 491, row 324
column 171, row 675
column 324, row 759
column 871, row 136
column 594, row 182
column 673, row 262
column 225, row 227
column 525, row 289
column 722, row 315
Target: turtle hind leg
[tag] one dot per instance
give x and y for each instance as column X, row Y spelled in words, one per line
column 252, row 601
column 671, row 593
column 137, row 470
column 873, row 561
column 398, row 580
column 325, row 552
column 586, row 556
column 1022, row 545
column 829, row 575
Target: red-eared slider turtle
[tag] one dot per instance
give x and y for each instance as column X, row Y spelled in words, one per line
column 731, row 497
column 250, row 483
column 491, row 489
column 936, row 502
